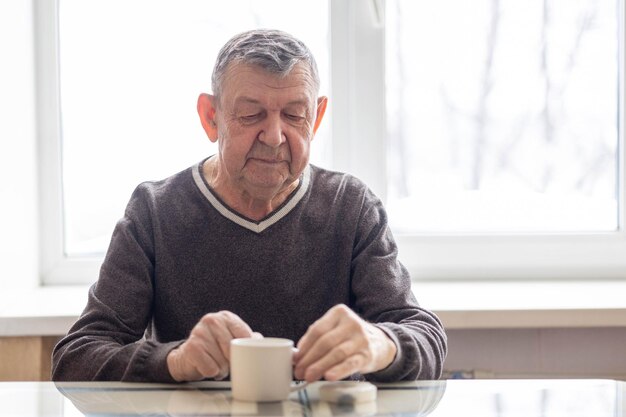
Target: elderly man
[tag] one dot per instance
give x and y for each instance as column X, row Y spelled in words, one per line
column 251, row 242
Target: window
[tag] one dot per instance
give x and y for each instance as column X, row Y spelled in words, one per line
column 492, row 131
column 502, row 116
column 130, row 74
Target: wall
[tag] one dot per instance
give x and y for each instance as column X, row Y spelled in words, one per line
column 26, row 358
column 537, row 353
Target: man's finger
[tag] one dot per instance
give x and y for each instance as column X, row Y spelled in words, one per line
column 330, row 357
column 325, row 352
column 218, row 329
column 214, row 351
column 197, row 355
column 318, row 329
column 344, row 369
column 226, row 326
column 237, row 328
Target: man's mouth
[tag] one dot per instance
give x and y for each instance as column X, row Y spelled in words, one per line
column 268, row 161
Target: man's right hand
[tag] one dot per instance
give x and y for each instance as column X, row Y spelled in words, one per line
column 206, row 353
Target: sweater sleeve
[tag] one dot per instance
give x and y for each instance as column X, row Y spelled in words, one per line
column 382, row 292
column 108, row 341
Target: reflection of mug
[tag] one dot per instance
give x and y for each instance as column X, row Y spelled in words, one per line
column 261, row 369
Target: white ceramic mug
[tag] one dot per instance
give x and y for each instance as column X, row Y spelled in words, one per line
column 261, row 369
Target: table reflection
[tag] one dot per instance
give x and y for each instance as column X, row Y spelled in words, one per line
column 214, row 399
column 484, row 398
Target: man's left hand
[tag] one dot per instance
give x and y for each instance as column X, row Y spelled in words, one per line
column 340, row 344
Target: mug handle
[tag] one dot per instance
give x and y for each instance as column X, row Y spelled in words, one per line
column 298, row 385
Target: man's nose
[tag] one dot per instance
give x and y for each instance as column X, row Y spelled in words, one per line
column 273, row 134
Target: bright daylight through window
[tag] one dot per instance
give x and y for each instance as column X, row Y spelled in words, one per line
column 502, row 115
column 131, row 72
column 501, row 119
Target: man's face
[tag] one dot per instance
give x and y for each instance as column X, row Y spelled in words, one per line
column 265, row 127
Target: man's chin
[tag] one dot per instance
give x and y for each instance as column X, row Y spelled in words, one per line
column 270, row 187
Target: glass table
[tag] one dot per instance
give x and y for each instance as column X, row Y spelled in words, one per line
column 484, row 398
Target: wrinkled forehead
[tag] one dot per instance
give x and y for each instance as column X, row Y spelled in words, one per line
column 254, row 81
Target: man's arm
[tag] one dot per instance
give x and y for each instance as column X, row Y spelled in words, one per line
column 107, row 342
column 381, row 299
column 383, row 296
column 100, row 347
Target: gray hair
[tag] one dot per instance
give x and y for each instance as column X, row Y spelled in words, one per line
column 273, row 50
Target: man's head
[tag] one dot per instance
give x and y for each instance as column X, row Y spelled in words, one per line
column 263, row 113
column 274, row 51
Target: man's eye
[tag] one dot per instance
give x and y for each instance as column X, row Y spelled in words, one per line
column 249, row 117
column 295, row 117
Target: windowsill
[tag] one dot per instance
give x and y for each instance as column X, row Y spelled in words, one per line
column 43, row 311
column 50, row 311
column 530, row 304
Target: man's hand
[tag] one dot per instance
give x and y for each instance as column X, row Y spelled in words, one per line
column 206, row 353
column 340, row 344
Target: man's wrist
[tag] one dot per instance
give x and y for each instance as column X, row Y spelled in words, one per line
column 173, row 365
column 392, row 350
column 388, row 350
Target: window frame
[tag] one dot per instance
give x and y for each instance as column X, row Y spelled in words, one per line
column 558, row 256
column 54, row 266
column 357, row 88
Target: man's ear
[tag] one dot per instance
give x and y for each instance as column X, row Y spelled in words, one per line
column 206, row 111
column 321, row 109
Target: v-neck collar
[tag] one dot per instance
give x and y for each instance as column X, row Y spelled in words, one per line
column 289, row 204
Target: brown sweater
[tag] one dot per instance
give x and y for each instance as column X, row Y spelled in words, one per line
column 179, row 253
